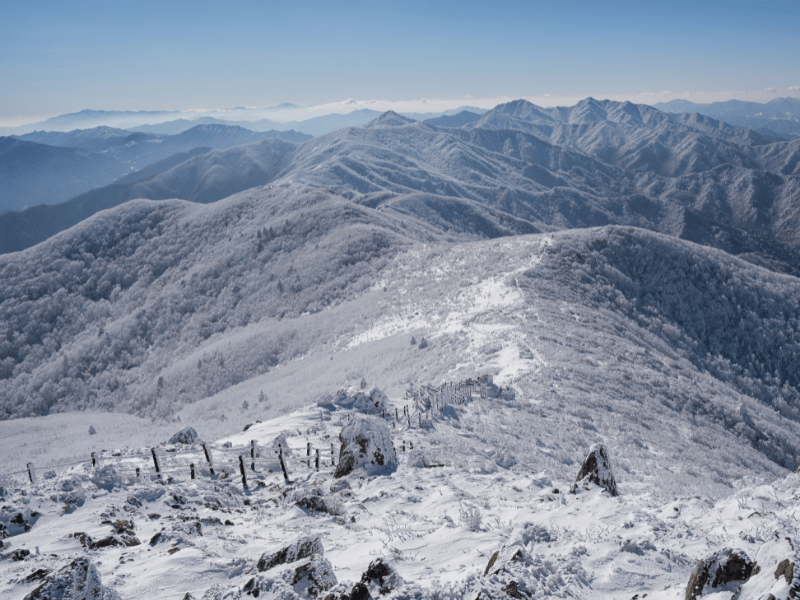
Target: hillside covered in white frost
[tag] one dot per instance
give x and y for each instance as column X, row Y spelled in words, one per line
column 549, row 251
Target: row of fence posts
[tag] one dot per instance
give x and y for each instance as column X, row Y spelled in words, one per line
column 254, row 453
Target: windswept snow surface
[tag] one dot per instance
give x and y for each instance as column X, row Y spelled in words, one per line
column 436, row 527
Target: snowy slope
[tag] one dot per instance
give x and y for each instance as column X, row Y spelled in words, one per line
column 495, row 520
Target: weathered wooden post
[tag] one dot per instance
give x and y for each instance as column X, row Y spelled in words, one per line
column 403, row 447
column 253, row 453
column 283, row 466
column 155, row 462
column 396, row 414
column 209, row 458
column 94, row 459
column 308, row 454
column 32, row 473
column 317, row 461
column 241, row 469
column 191, row 468
column 137, row 472
column 333, row 456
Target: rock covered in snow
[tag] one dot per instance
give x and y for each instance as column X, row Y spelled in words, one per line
column 596, row 469
column 380, row 578
column 281, row 444
column 718, row 572
column 297, row 571
column 775, row 573
column 366, row 443
column 302, row 548
column 501, row 560
column 374, row 403
column 78, row 580
column 187, row 435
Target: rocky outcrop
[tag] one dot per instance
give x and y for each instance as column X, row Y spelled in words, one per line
column 380, row 578
column 301, row 549
column 79, row 580
column 366, row 443
column 775, row 574
column 718, row 571
column 596, row 469
column 187, row 435
column 374, row 403
column 298, row 571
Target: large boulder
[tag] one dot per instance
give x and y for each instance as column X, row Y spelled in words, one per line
column 596, row 469
column 366, row 443
column 78, row 580
column 721, row 571
column 187, row 435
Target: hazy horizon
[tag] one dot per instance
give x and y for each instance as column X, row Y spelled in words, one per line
column 408, row 56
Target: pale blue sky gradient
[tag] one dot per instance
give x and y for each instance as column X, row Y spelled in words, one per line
column 59, row 57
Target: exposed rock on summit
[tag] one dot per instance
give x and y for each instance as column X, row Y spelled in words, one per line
column 596, row 469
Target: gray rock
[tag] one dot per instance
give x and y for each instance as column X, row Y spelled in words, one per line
column 366, row 443
column 187, row 435
column 79, row 580
column 303, row 548
column 717, row 571
column 596, row 469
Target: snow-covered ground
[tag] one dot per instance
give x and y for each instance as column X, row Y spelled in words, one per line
column 436, row 527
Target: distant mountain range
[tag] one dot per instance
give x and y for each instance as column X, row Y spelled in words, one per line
column 50, row 167
column 519, row 168
column 173, row 122
column 779, row 117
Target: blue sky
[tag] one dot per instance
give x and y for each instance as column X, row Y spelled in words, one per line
column 58, row 57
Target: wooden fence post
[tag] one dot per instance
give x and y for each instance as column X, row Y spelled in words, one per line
column 32, row 473
column 191, row 468
column 209, row 458
column 283, row 466
column 94, row 459
column 333, row 456
column 317, row 461
column 253, row 453
column 241, row 469
column 137, row 472
column 155, row 462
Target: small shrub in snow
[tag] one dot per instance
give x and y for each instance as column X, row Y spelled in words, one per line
column 471, row 518
column 423, row 343
column 92, row 430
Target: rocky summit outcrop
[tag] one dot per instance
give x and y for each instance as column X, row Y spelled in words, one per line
column 78, row 580
column 596, row 469
column 366, row 443
column 724, row 569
